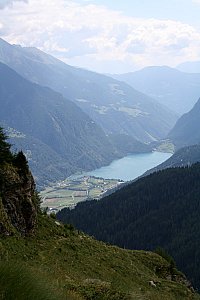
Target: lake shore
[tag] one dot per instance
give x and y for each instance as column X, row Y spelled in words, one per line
column 97, row 183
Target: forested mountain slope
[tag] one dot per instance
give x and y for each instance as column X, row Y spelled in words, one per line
column 159, row 210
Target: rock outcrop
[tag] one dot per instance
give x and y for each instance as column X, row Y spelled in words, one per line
column 18, row 200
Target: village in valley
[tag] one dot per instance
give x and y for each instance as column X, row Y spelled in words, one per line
column 75, row 189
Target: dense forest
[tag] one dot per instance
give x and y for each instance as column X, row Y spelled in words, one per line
column 160, row 210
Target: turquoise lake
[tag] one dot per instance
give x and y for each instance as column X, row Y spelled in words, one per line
column 131, row 166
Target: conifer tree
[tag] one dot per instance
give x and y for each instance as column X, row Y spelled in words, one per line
column 20, row 161
column 5, row 153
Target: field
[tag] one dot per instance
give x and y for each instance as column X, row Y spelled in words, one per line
column 69, row 192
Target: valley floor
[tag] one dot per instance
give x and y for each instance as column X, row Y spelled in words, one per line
column 69, row 192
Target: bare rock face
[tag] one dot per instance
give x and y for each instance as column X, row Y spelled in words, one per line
column 18, row 201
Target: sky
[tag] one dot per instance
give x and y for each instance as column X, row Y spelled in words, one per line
column 106, row 36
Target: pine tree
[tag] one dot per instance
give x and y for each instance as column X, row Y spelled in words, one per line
column 20, row 161
column 5, row 153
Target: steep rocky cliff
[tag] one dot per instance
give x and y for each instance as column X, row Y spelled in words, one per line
column 18, row 198
column 17, row 203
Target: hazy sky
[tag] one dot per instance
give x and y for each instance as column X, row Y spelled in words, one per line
column 112, row 36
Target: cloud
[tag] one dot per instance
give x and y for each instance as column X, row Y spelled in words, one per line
column 4, row 3
column 95, row 37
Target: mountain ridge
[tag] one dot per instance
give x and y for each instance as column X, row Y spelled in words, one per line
column 113, row 105
column 44, row 115
column 173, row 88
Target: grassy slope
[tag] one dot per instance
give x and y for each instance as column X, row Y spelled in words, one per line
column 76, row 265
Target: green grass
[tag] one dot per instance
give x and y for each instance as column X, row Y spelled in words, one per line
column 76, row 266
column 18, row 282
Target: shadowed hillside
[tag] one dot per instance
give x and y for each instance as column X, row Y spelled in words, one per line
column 185, row 131
column 57, row 137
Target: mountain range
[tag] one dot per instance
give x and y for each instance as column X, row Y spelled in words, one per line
column 113, row 105
column 56, row 135
column 62, row 120
column 177, row 90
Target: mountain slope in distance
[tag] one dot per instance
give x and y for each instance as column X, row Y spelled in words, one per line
column 115, row 106
column 44, row 115
column 189, row 67
column 186, row 130
column 185, row 156
column 171, row 87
